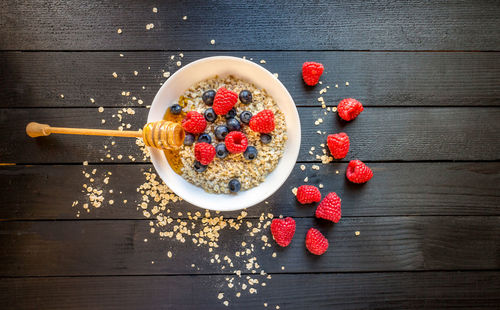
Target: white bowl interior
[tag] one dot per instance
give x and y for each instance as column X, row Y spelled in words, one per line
column 222, row 66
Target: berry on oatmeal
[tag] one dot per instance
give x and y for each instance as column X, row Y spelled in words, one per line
column 199, row 167
column 330, row 208
column 224, row 101
column 221, row 151
column 221, row 132
column 250, row 153
column 210, row 115
column 204, row 137
column 358, row 172
column 208, row 97
column 194, row 122
column 265, row 138
column 338, row 144
column 231, row 113
column 316, row 243
column 233, row 124
column 176, row 109
column 234, row 185
column 311, row 72
column 245, row 117
column 204, row 153
column 308, row 194
column 189, row 139
column 263, row 122
column 348, row 109
column 283, row 230
column 236, row 142
column 245, row 96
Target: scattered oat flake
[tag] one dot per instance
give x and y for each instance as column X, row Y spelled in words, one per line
column 357, row 233
column 166, row 74
column 92, row 100
column 226, row 303
column 111, row 202
column 150, row 26
column 212, row 41
column 346, row 83
column 336, row 85
column 155, row 10
column 115, row 75
column 320, row 185
column 136, row 73
column 302, row 167
column 119, row 30
column 220, row 296
column 315, row 167
column 100, row 109
column 178, row 63
column 184, row 17
column 294, row 191
column 121, row 55
column 262, row 61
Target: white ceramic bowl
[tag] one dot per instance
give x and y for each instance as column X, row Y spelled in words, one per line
column 222, row 66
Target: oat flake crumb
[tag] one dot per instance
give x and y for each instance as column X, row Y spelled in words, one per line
column 155, row 10
column 178, row 63
column 184, row 17
column 357, row 233
column 320, row 185
column 115, row 75
column 212, row 41
column 220, row 296
column 119, row 30
column 294, row 191
column 302, row 167
column 262, row 61
column 315, row 167
column 100, row 109
column 85, row 163
column 226, row 303
column 346, row 83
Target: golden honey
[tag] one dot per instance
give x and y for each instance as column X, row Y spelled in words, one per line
column 172, row 155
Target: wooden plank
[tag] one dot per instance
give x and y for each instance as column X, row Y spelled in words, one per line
column 246, row 25
column 378, row 134
column 119, row 248
column 397, row 189
column 414, row 290
column 375, row 78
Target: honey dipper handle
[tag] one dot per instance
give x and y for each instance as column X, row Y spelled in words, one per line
column 37, row 130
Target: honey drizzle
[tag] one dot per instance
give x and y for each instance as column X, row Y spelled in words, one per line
column 173, row 156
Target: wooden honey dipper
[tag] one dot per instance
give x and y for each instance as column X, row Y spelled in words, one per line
column 163, row 134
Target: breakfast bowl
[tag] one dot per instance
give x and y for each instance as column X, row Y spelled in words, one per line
column 225, row 66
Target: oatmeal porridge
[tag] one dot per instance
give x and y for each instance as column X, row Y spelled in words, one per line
column 233, row 149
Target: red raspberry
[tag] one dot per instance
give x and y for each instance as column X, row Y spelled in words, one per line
column 338, row 145
column 283, row 230
column 224, row 101
column 311, row 72
column 263, row 121
column 358, row 172
column 316, row 243
column 329, row 208
column 194, row 122
column 349, row 109
column 236, row 142
column 204, row 153
column 308, row 194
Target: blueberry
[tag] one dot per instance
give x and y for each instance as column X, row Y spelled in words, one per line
column 176, row 109
column 210, row 115
column 234, row 185
column 221, row 151
column 245, row 96
column 250, row 153
column 205, row 137
column 265, row 138
column 245, row 117
column 233, row 124
column 189, row 139
column 208, row 97
column 198, row 167
column 231, row 113
column 221, row 132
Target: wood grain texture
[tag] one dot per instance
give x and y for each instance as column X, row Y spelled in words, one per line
column 415, row 290
column 118, row 247
column 250, row 25
column 378, row 134
column 397, row 189
column 375, row 78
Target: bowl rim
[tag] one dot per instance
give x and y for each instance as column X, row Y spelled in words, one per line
column 157, row 156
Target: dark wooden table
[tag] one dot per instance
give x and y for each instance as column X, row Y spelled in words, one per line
column 428, row 74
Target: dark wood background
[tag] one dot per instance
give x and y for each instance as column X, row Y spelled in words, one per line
column 428, row 74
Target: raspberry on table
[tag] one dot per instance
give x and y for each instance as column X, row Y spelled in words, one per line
column 358, row 172
column 311, row 72
column 204, row 153
column 194, row 122
column 263, row 121
column 348, row 109
column 283, row 230
column 224, row 101
column 316, row 243
column 338, row 144
column 308, row 194
column 329, row 208
column 236, row 142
